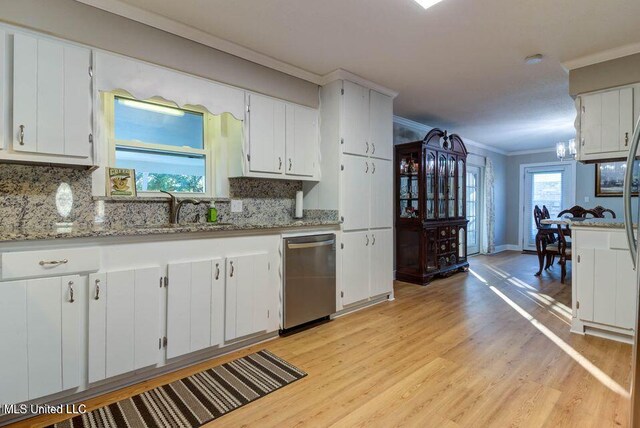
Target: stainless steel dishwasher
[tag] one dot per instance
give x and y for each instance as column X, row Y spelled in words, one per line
column 309, row 278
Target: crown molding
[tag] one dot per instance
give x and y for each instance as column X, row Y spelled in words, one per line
column 341, row 74
column 603, row 56
column 531, row 152
column 160, row 22
column 422, row 127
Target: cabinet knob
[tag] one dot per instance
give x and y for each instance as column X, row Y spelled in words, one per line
column 443, row 247
column 21, row 138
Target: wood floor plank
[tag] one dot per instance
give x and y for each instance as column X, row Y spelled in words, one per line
column 489, row 348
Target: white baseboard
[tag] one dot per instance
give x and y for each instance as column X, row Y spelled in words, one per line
column 507, row 247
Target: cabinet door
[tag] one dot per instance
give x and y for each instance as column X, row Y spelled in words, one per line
column 25, row 96
column 189, row 307
column 77, row 101
column 218, row 302
column 604, row 290
column 356, row 190
column 381, row 261
column 302, row 140
column 591, row 124
column 266, row 134
column 626, row 291
column 132, row 322
column 355, row 266
column 246, row 295
column 381, row 201
column 627, row 118
column 73, row 292
column 610, row 131
column 97, row 327
column 14, row 369
column 355, row 123
column 585, row 279
column 381, row 125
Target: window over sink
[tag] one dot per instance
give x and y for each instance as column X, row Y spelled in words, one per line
column 169, row 147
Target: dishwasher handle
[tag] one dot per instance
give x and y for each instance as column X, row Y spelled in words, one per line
column 311, row 244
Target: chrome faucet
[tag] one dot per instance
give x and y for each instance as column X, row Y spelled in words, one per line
column 175, row 205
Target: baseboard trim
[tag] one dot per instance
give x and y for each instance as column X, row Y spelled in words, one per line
column 507, row 247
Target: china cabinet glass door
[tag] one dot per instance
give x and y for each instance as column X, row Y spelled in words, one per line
column 442, row 186
column 409, row 179
column 451, row 187
column 461, row 188
column 430, row 185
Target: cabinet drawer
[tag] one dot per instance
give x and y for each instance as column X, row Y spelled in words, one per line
column 443, row 247
column 443, row 232
column 32, row 264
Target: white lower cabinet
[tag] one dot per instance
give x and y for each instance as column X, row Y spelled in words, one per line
column 40, row 329
column 367, row 264
column 124, row 321
column 247, row 286
column 194, row 303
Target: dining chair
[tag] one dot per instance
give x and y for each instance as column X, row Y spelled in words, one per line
column 575, row 211
column 546, row 247
column 564, row 249
column 600, row 211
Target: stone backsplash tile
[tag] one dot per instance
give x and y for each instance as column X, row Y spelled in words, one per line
column 41, row 196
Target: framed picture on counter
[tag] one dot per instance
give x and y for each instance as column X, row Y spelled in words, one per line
column 121, row 182
column 610, row 178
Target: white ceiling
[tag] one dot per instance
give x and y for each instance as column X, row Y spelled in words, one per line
column 458, row 65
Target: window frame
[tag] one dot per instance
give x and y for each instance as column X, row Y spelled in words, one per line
column 109, row 99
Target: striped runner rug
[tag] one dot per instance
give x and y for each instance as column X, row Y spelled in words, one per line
column 197, row 399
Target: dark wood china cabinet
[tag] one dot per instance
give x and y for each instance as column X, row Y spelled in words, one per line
column 431, row 224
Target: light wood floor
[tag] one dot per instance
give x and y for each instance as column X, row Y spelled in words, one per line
column 491, row 350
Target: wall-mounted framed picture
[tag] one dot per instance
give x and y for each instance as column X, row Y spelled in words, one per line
column 610, row 178
column 121, row 182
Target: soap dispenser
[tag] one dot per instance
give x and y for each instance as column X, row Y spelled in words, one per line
column 212, row 215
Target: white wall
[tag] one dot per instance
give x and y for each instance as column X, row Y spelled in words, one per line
column 81, row 23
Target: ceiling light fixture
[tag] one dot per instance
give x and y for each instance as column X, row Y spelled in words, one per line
column 427, row 3
column 533, row 59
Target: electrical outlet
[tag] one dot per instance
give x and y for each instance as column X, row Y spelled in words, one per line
column 236, row 206
column 586, row 199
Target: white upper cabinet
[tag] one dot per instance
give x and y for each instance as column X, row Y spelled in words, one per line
column 381, row 125
column 281, row 141
column 266, row 134
column 51, row 98
column 355, row 123
column 301, row 140
column 606, row 123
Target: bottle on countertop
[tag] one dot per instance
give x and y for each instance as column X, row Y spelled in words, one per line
column 212, row 215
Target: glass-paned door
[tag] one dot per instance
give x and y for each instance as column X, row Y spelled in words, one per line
column 473, row 209
column 430, row 185
column 442, row 186
column 550, row 186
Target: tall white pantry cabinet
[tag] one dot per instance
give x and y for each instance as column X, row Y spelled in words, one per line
column 356, row 129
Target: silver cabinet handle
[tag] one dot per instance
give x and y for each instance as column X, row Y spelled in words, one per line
column 367, row 236
column 97, row 296
column 626, row 139
column 626, row 191
column 311, row 244
column 373, row 150
column 232, row 269
column 367, row 164
column 582, row 141
column 373, row 237
column 71, row 299
column 21, row 138
column 290, row 164
column 373, row 166
column 279, row 163
column 53, row 262
column 367, row 143
column 217, row 271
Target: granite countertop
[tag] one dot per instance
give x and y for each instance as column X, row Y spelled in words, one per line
column 99, row 231
column 610, row 223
